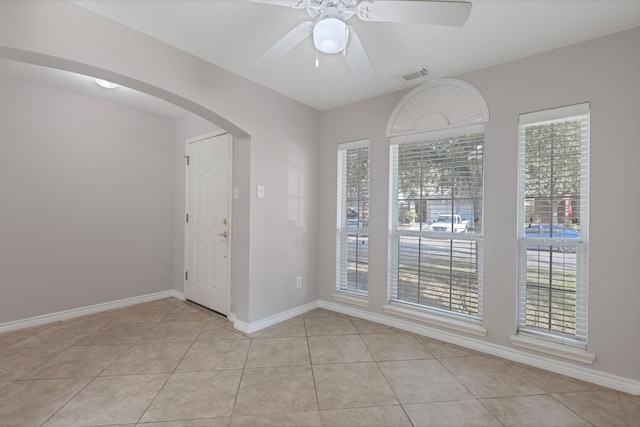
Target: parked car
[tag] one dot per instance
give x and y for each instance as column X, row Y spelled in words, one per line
column 555, row 230
column 353, row 222
column 450, row 222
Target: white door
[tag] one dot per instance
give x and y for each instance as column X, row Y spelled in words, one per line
column 207, row 276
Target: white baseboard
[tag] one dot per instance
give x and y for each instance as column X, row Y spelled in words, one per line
column 232, row 317
column 83, row 311
column 249, row 328
column 584, row 373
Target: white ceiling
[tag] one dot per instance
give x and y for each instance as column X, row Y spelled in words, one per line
column 234, row 33
column 507, row 29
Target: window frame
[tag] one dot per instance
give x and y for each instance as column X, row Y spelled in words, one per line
column 555, row 115
column 430, row 312
column 343, row 230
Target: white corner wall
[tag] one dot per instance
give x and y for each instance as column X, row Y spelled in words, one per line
column 86, row 190
column 605, row 72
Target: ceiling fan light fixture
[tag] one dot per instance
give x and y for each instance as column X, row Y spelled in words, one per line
column 330, row 35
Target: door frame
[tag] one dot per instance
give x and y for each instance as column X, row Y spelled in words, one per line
column 192, row 140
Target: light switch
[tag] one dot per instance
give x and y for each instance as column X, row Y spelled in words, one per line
column 235, row 193
column 260, row 191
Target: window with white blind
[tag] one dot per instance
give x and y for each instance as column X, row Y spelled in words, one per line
column 352, row 240
column 553, row 223
column 435, row 243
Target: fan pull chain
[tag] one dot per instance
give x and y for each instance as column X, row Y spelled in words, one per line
column 317, row 59
column 346, row 39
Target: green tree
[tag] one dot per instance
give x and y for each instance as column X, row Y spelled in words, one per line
column 552, row 166
column 357, row 182
column 448, row 167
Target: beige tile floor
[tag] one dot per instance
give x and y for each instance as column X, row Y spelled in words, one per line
column 170, row 363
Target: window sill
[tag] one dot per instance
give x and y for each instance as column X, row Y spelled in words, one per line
column 553, row 348
column 352, row 299
column 434, row 319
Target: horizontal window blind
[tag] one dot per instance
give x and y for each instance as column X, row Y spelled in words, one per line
column 435, row 247
column 352, row 241
column 553, row 223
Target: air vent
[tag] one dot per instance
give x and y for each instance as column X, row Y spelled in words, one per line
column 414, row 74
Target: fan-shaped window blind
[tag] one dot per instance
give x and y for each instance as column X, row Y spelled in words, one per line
column 436, row 105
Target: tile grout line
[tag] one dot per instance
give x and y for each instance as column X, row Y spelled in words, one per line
column 244, row 366
column 462, row 384
column 92, row 379
column 565, row 406
column 313, row 374
column 387, row 380
column 170, row 374
column 67, row 402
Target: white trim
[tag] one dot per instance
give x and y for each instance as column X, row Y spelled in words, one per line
column 569, row 369
column 437, row 134
column 343, row 230
column 211, row 134
column 420, row 329
column 577, row 112
column 396, row 231
column 434, row 319
column 83, row 311
column 553, row 348
column 553, row 114
column 249, row 328
column 361, row 301
column 229, row 222
column 362, row 143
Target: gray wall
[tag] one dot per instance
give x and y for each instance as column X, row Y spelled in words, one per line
column 281, row 229
column 605, row 72
column 87, row 193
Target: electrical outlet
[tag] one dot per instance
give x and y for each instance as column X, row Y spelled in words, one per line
column 299, row 282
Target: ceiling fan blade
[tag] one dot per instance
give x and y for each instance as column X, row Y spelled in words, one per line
column 357, row 58
column 292, row 39
column 430, row 12
column 296, row 4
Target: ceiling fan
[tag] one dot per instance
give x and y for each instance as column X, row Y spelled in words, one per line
column 331, row 33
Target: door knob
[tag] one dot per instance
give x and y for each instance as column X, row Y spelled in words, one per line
column 224, row 234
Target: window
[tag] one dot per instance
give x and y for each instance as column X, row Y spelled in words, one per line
column 552, row 224
column 435, row 242
column 352, row 241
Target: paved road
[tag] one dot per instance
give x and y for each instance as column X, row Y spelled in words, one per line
column 462, row 250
